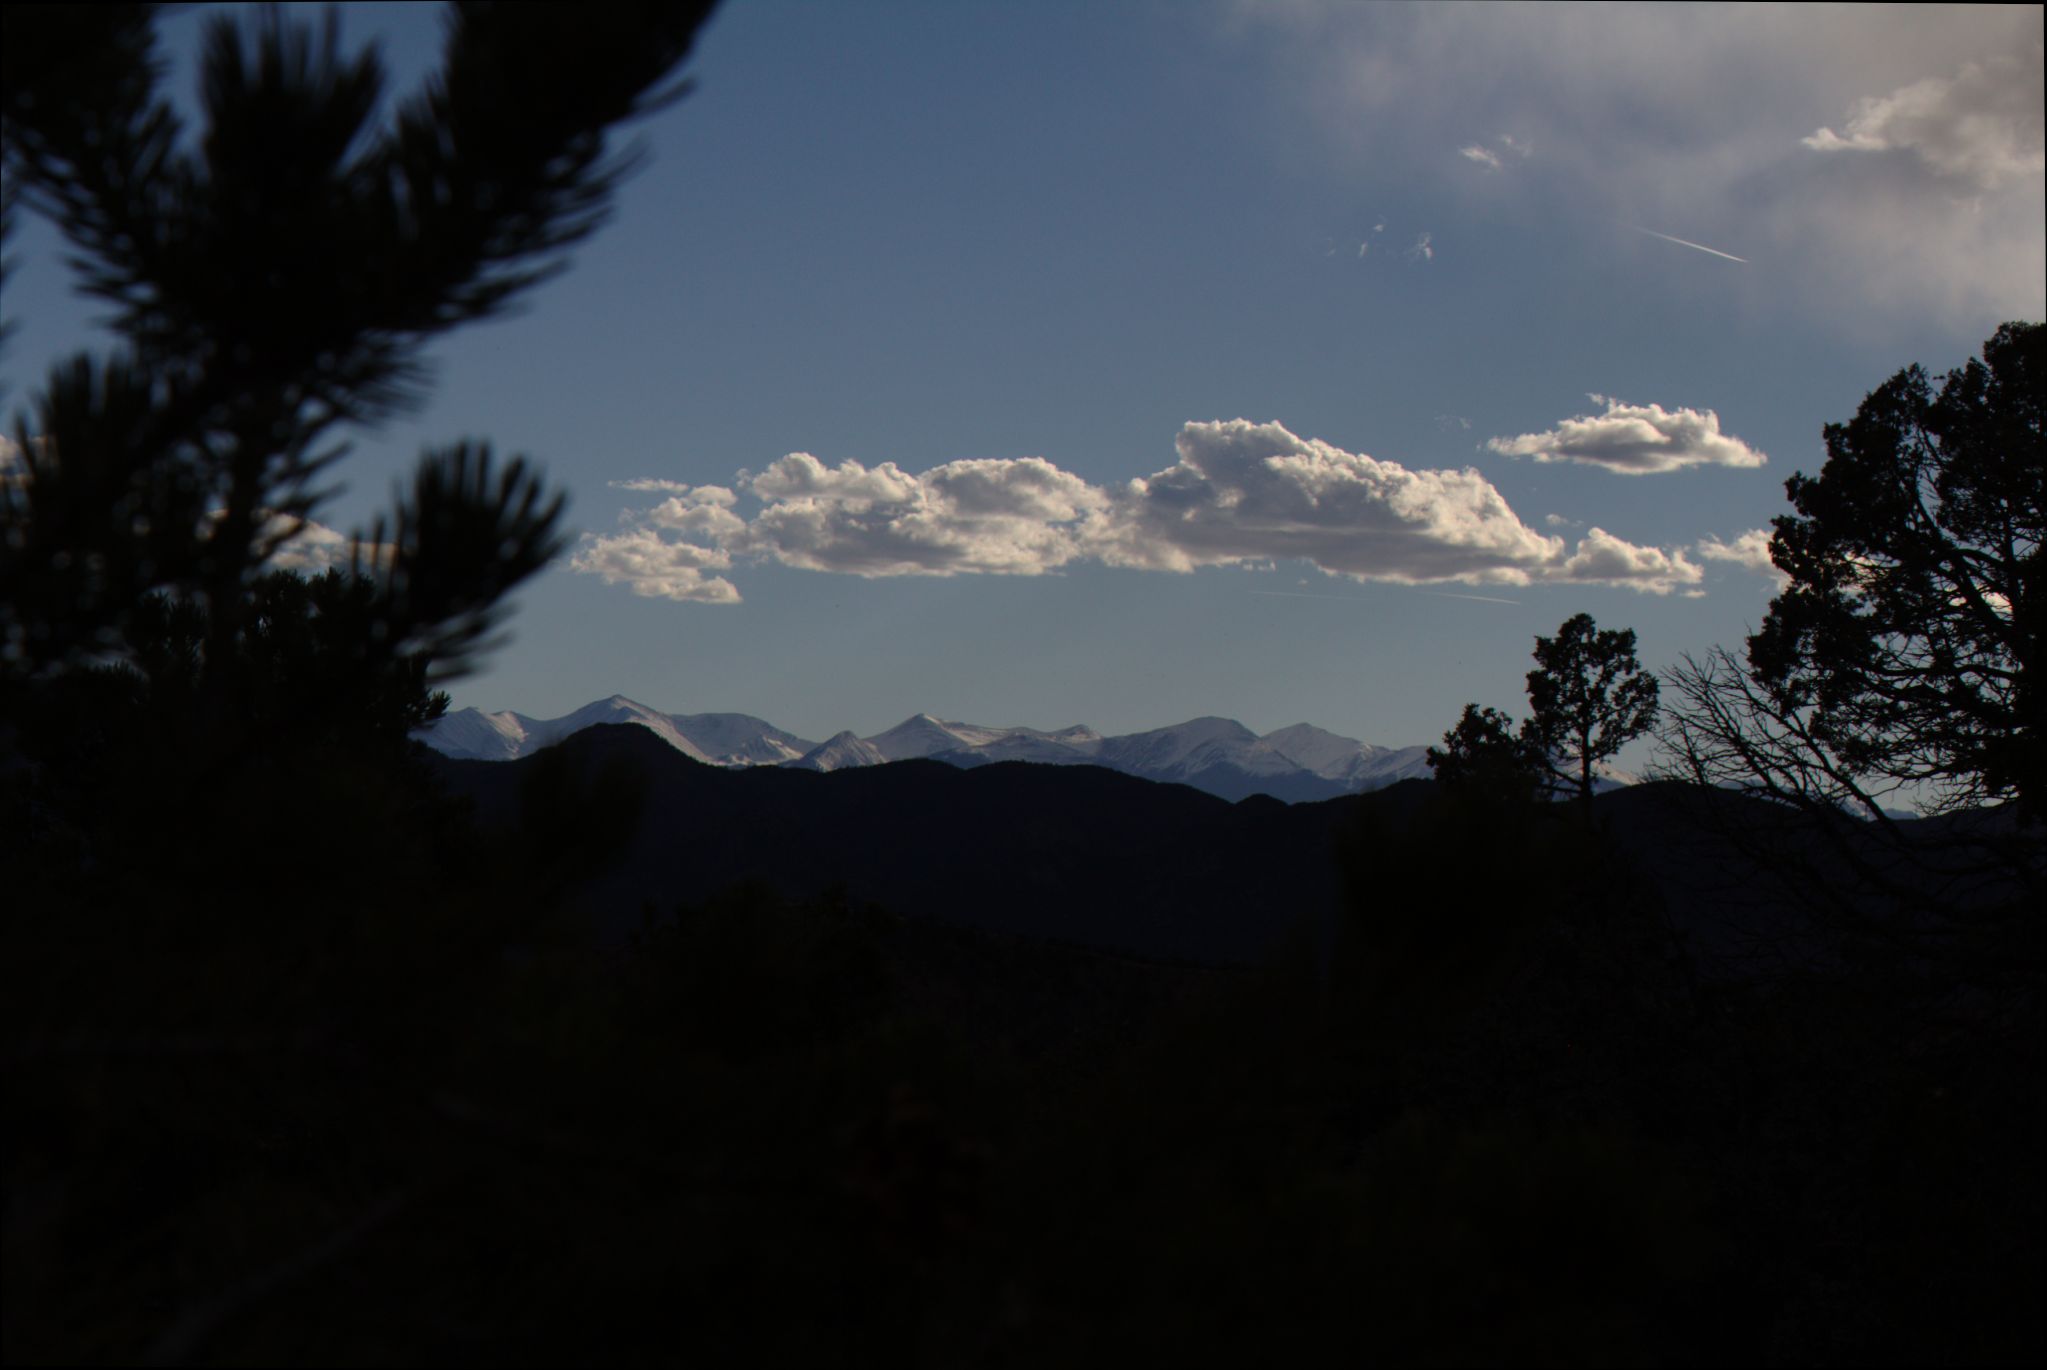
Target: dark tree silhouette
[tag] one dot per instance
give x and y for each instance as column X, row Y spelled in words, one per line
column 1898, row 657
column 1482, row 755
column 1588, row 697
column 225, row 860
column 279, row 281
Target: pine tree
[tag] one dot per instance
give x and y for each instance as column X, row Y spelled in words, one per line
column 1588, row 697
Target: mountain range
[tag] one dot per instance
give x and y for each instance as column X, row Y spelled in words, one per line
column 1217, row 755
column 625, row 823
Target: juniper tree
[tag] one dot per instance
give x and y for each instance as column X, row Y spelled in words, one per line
column 1588, row 697
column 1483, row 756
column 1899, row 657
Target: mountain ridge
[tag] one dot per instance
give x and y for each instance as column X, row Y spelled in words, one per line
column 1218, row 755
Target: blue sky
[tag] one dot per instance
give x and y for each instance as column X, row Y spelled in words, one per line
column 990, row 265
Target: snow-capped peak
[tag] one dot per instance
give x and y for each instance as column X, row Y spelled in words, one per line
column 841, row 752
column 923, row 735
column 1220, row 755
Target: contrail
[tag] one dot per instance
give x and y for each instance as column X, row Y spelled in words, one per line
column 1296, row 594
column 1686, row 242
column 1351, row 599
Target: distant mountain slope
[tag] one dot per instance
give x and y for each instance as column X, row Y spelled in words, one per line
column 1074, row 853
column 1091, row 856
column 843, row 752
column 1219, row 755
column 719, row 739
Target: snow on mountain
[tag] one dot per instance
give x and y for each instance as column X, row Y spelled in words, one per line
column 1378, row 767
column 1353, row 764
column 716, row 739
column 617, row 709
column 1316, row 749
column 1183, row 749
column 740, row 739
column 1027, row 744
column 840, row 753
column 923, row 735
column 473, row 735
column 1219, row 755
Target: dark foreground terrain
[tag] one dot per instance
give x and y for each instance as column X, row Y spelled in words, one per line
column 619, row 1059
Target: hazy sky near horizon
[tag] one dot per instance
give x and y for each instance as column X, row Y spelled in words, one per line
column 1122, row 363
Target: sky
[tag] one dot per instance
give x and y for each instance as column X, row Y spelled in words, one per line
column 1124, row 363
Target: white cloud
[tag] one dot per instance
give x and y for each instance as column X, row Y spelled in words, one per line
column 1421, row 251
column 1982, row 126
column 313, row 550
column 988, row 517
column 1750, row 551
column 651, row 483
column 1244, row 493
column 1241, row 494
column 656, row 567
column 1635, row 440
column 697, row 511
column 1604, row 558
column 991, row 516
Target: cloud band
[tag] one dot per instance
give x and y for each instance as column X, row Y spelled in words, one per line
column 1240, row 494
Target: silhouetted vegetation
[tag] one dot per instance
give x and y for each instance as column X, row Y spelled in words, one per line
column 319, row 1049
column 1484, row 756
column 1896, row 661
column 1587, row 698
column 1894, row 668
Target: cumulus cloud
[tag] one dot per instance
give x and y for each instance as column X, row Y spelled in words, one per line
column 1244, row 493
column 1982, row 126
column 1750, row 551
column 657, row 567
column 1241, row 494
column 1606, row 559
column 308, row 546
column 995, row 516
column 992, row 517
column 1635, row 440
column 313, row 550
